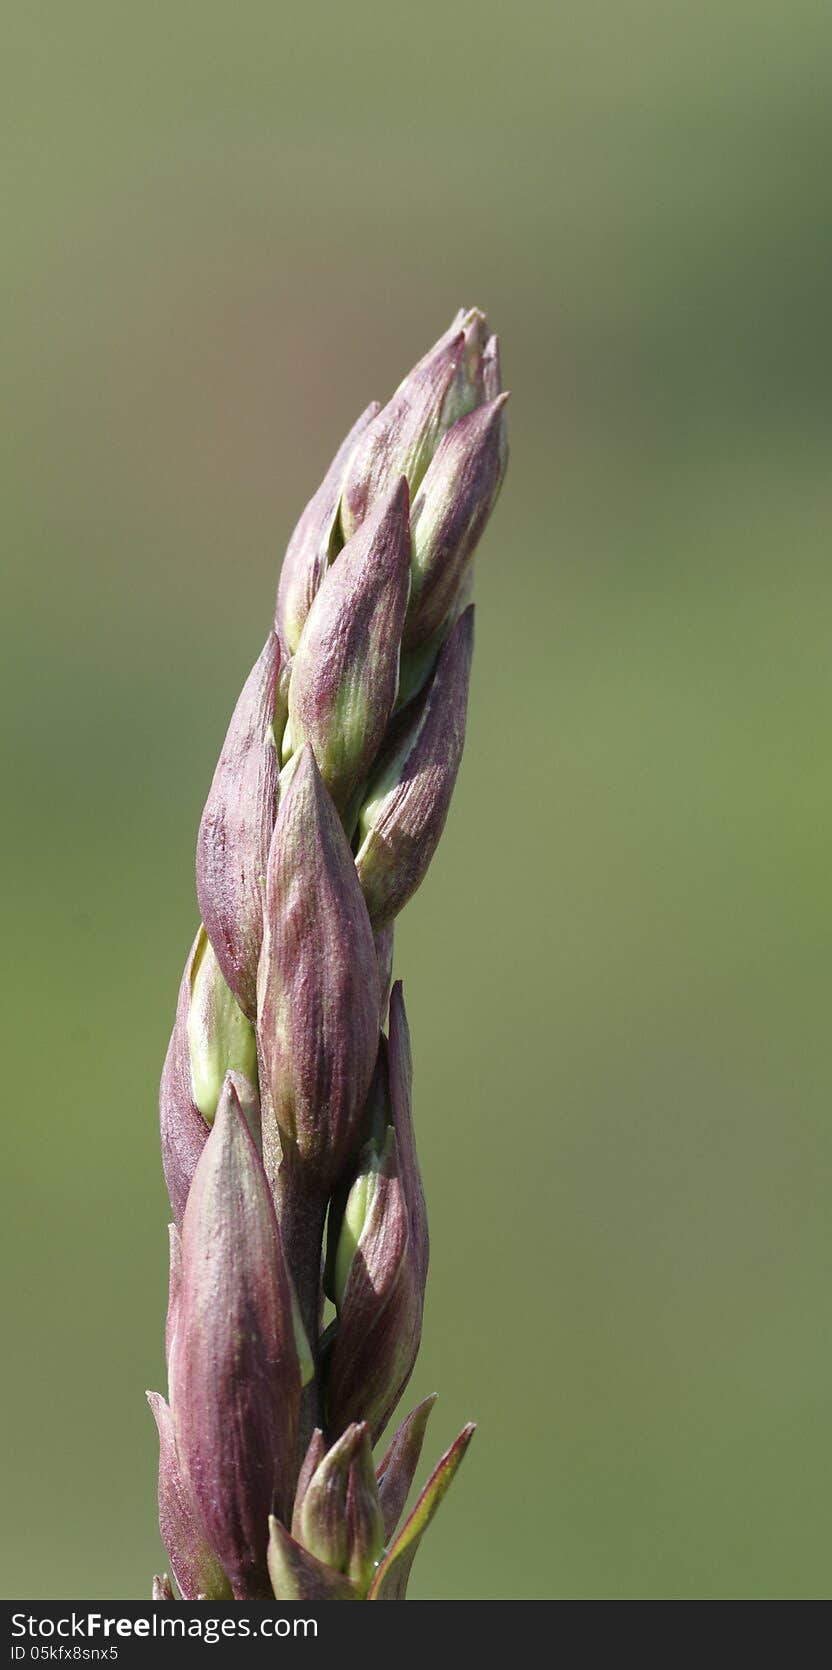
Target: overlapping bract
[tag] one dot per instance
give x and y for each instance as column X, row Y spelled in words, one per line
column 286, row 1092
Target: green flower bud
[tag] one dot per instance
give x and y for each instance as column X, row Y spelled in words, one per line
column 220, row 1039
column 357, row 1210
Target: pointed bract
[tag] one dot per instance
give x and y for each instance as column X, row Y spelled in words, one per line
column 397, row 1468
column 338, row 1516
column 161, row 1589
column 346, row 671
column 315, row 1453
column 450, row 512
column 314, row 543
column 403, row 816
column 390, row 1581
column 234, row 835
column 192, row 1560
column 184, row 1132
column 365, row 1525
column 322, row 1524
column 318, row 993
column 234, row 1372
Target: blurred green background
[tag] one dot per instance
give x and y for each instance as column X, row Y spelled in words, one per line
column 228, row 227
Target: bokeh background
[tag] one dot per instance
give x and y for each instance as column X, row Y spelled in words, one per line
column 226, row 229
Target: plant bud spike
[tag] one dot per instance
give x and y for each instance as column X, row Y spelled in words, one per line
column 318, row 981
column 233, row 842
column 345, row 674
column 234, row 1373
column 314, row 543
column 449, row 515
column 407, row 803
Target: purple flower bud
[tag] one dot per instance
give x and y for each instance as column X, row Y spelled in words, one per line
column 402, row 439
column 297, row 1575
column 346, row 671
column 317, row 984
column 321, row 1519
column 234, row 835
column 450, row 511
column 314, row 544
column 234, row 1372
column 378, row 1273
column 398, row 1465
column 193, row 1562
column 184, row 1131
column 407, row 801
column 365, row 1525
column 339, row 1515
column 390, row 1581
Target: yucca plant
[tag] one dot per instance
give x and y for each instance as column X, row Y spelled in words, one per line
column 286, row 1119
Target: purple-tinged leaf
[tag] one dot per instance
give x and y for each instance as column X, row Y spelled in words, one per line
column 407, row 801
column 318, row 991
column 234, row 1372
column 192, row 1560
column 345, row 674
column 397, row 1468
column 314, row 543
column 390, row 1581
column 234, row 835
column 296, row 1575
column 184, row 1131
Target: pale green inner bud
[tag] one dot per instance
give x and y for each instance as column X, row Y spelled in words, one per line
column 305, row 1358
column 417, row 664
column 286, row 747
column 383, row 785
column 358, row 1208
column 220, row 1038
